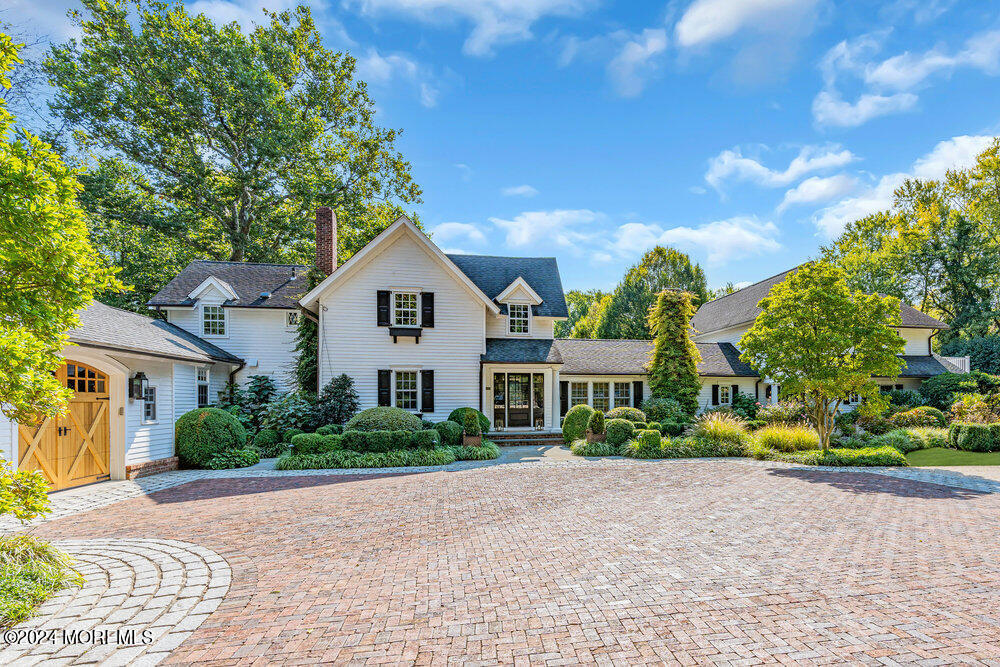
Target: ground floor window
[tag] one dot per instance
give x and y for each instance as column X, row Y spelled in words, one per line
column 149, row 406
column 623, row 394
column 725, row 396
column 577, row 393
column 600, row 400
column 406, row 390
column 202, row 387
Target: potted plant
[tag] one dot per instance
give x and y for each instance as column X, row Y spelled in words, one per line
column 472, row 435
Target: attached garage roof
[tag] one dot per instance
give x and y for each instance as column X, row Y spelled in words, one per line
column 285, row 282
column 740, row 307
column 111, row 328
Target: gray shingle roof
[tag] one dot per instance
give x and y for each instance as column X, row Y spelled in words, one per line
column 494, row 274
column 104, row 326
column 740, row 307
column 921, row 366
column 285, row 282
column 521, row 351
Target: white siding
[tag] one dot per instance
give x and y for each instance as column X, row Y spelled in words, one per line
column 155, row 440
column 257, row 335
column 746, row 385
column 185, row 390
column 496, row 327
column 353, row 343
column 7, row 439
column 916, row 340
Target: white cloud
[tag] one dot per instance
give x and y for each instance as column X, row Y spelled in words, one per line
column 709, row 21
column 890, row 82
column 957, row 152
column 447, row 231
column 721, row 240
column 495, row 22
column 816, row 189
column 519, row 191
column 636, row 60
column 829, row 109
column 465, row 170
column 733, row 164
column 560, row 226
column 395, row 69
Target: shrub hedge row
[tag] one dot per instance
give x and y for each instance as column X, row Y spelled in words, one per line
column 974, row 437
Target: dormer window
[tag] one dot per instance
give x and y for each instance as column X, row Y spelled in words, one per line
column 518, row 315
column 404, row 309
column 213, row 321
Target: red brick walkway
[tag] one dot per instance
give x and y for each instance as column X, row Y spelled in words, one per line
column 682, row 562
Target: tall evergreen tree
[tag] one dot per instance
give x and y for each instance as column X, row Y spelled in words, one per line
column 673, row 369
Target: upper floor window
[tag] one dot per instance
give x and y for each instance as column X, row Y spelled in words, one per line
column 404, row 310
column 292, row 318
column 517, row 317
column 213, row 321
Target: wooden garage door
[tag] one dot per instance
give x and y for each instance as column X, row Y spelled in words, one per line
column 74, row 448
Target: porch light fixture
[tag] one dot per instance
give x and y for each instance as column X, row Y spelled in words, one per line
column 137, row 385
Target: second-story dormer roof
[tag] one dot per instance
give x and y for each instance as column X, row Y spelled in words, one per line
column 494, row 274
column 249, row 281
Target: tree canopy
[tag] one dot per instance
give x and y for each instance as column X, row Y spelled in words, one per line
column 821, row 340
column 938, row 247
column 222, row 140
column 48, row 269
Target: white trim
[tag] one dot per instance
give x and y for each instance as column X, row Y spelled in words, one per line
column 521, row 283
column 225, row 321
column 403, row 225
column 519, row 333
column 416, row 309
column 219, row 284
column 419, row 387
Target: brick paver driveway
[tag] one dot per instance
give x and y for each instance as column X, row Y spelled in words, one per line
column 694, row 561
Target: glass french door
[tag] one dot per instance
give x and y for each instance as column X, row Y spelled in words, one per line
column 518, row 400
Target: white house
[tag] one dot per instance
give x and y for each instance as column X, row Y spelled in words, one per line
column 131, row 377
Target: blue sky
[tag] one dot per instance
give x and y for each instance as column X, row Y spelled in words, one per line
column 744, row 132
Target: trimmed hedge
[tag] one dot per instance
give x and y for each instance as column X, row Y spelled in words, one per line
column 330, row 429
column 234, row 458
column 451, row 433
column 384, row 418
column 618, row 431
column 596, row 423
column 204, row 432
column 575, row 422
column 387, row 441
column 672, row 428
column 584, row 448
column 870, row 456
column 315, row 443
column 976, row 437
column 487, row 452
column 693, row 448
column 649, row 438
column 268, row 442
column 342, row 458
column 458, row 416
column 631, row 414
column 291, row 433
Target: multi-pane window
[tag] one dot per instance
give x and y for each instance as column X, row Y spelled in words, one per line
column 406, row 390
column 213, row 321
column 577, row 393
column 202, row 387
column 149, row 408
column 623, row 394
column 292, row 318
column 724, row 397
column 517, row 316
column 601, row 400
column 405, row 309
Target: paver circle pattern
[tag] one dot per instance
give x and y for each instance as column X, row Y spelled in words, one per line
column 141, row 599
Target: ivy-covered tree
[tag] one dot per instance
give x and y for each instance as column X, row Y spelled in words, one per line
column 237, row 136
column 307, row 342
column 673, row 369
column 48, row 269
column 820, row 340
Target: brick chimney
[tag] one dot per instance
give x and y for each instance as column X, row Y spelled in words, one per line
column 326, row 239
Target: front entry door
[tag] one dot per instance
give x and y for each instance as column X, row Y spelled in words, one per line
column 74, row 448
column 518, row 399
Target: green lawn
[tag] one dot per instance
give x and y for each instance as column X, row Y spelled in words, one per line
column 939, row 456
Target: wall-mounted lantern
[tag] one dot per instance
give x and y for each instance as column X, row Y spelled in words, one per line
column 137, row 386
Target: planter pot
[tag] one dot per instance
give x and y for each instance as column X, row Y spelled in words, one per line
column 595, row 437
column 472, row 440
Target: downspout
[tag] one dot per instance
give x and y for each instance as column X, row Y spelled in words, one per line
column 232, row 377
column 481, row 386
column 756, row 390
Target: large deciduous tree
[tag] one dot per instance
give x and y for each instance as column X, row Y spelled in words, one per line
column 232, row 138
column 579, row 303
column 48, row 269
column 937, row 247
column 673, row 368
column 821, row 340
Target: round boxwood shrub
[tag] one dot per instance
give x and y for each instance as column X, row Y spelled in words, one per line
column 631, row 414
column 471, row 424
column 575, row 422
column 618, row 431
column 205, row 432
column 458, row 416
column 977, row 438
column 384, row 419
column 451, row 433
column 596, row 423
column 331, row 429
column 291, row 433
column 269, row 444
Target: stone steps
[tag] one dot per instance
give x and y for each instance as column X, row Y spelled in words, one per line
column 514, row 439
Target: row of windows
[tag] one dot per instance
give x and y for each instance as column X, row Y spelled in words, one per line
column 213, row 320
column 149, row 400
column 603, row 395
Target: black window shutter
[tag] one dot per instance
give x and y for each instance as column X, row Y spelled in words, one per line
column 563, row 398
column 715, row 394
column 899, row 387
column 384, row 380
column 427, row 310
column 382, row 308
column 426, row 391
column 736, row 391
column 637, row 394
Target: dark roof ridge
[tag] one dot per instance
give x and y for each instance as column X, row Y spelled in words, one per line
column 472, row 254
column 236, row 263
column 762, row 280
